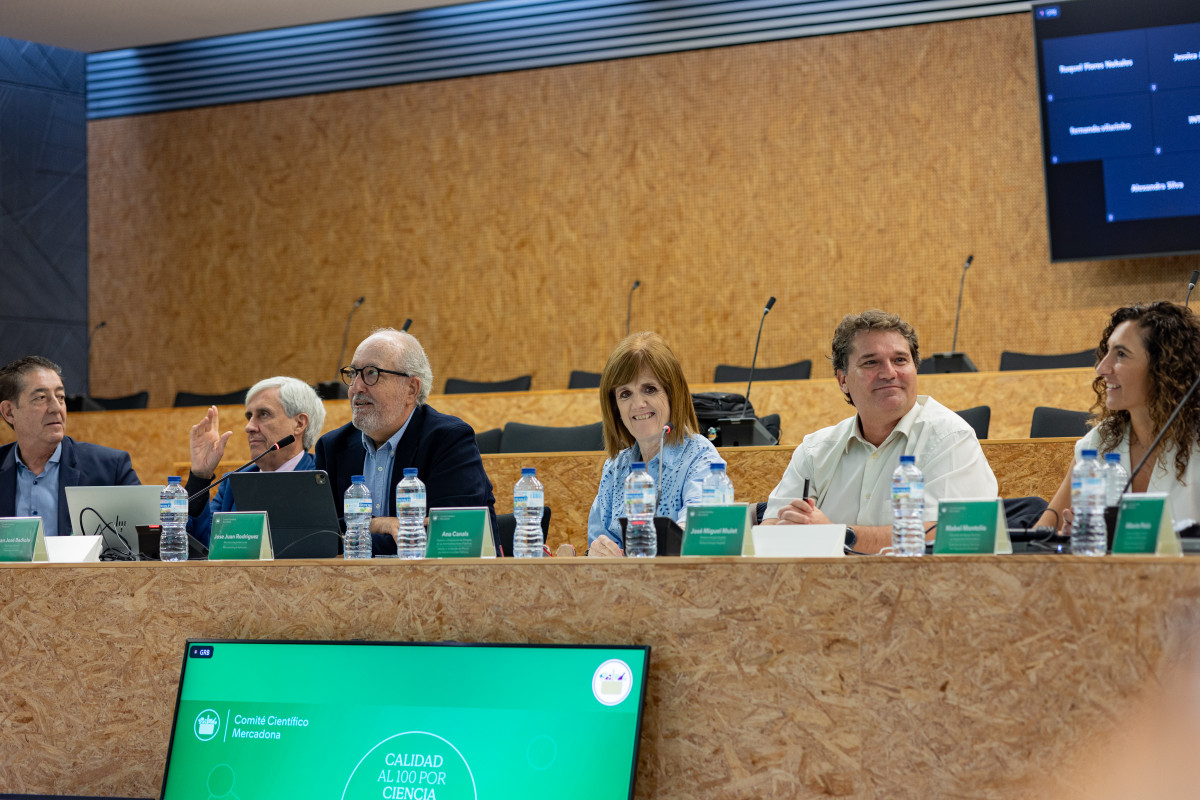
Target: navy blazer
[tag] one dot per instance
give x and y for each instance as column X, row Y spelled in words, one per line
column 80, row 464
column 440, row 446
column 200, row 525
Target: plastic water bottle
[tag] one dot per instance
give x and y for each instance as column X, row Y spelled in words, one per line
column 1115, row 478
column 908, row 509
column 1088, row 532
column 410, row 508
column 528, row 500
column 356, row 507
column 717, row 489
column 173, row 511
column 641, row 540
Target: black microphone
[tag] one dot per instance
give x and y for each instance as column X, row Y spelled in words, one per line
column 958, row 311
column 104, row 323
column 403, row 328
column 282, row 443
column 754, row 360
column 662, row 437
column 1191, row 285
column 1166, row 427
column 346, row 333
column 629, row 305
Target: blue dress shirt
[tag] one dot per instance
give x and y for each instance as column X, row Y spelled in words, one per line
column 37, row 495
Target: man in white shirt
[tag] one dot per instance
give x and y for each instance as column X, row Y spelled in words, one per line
column 850, row 464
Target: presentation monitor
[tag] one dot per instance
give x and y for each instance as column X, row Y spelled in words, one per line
column 1119, row 82
column 274, row 720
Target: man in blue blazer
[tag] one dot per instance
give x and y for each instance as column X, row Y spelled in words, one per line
column 393, row 428
column 36, row 469
column 275, row 408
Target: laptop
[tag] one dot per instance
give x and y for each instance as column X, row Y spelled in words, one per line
column 300, row 510
column 114, row 512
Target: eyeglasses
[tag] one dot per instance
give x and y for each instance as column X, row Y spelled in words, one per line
column 370, row 374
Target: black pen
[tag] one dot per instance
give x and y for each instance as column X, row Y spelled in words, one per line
column 807, row 484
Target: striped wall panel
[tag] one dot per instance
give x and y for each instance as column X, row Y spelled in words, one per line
column 472, row 39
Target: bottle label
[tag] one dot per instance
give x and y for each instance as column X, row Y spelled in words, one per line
column 899, row 491
column 1093, row 485
column 356, row 505
column 639, row 497
column 916, row 491
column 410, row 500
column 523, row 499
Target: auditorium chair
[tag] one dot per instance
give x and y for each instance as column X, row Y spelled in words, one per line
column 138, row 400
column 800, row 371
column 1013, row 361
column 460, row 386
column 584, row 380
column 235, row 398
column 979, row 418
column 489, row 441
column 1054, row 422
column 506, row 527
column 521, row 438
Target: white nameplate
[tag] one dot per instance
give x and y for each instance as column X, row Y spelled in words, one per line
column 796, row 541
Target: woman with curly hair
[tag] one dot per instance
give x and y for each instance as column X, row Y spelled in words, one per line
column 1148, row 357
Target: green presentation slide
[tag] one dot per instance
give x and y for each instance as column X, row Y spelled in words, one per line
column 392, row 721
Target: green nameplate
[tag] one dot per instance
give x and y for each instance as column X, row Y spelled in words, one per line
column 22, row 539
column 1145, row 526
column 460, row 533
column 971, row 526
column 716, row 530
column 242, row 535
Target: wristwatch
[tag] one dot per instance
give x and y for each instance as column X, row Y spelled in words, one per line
column 851, row 538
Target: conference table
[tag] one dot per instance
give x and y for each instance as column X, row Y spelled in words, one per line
column 956, row 676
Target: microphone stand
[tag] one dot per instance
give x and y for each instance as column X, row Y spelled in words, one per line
column 754, row 360
column 629, row 305
column 1191, row 285
column 282, row 443
column 955, row 361
column 1166, row 427
column 335, row 389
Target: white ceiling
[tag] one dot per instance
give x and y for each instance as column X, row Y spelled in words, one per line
column 96, row 25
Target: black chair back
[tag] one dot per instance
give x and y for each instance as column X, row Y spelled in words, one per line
column 521, row 438
column 979, row 418
column 800, row 371
column 506, row 528
column 1053, row 422
column 236, row 398
column 1013, row 361
column 489, row 441
column 460, row 386
column 584, row 380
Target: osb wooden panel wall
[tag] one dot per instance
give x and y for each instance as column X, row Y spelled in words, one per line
column 958, row 677
column 508, row 215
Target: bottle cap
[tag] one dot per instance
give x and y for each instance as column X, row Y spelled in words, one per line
column 356, row 478
column 1088, row 454
column 1114, row 458
column 716, row 467
column 908, row 459
column 635, row 466
column 528, row 470
column 174, row 479
column 410, row 472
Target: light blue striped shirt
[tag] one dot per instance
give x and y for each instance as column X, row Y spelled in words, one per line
column 377, row 469
column 685, row 465
column 37, row 495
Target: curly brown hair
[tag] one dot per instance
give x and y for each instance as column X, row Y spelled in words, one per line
column 1171, row 334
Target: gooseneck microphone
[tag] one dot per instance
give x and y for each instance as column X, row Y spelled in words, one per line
column 1166, row 427
column 754, row 360
column 104, row 323
column 629, row 305
column 1191, row 285
column 662, row 437
column 346, row 333
column 958, row 311
column 282, row 443
column 404, row 328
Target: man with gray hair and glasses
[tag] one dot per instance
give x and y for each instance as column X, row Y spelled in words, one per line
column 393, row 427
column 275, row 408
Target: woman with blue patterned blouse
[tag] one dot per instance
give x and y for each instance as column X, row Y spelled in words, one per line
column 641, row 390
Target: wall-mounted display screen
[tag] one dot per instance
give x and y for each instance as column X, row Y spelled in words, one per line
column 1120, row 100
column 402, row 721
